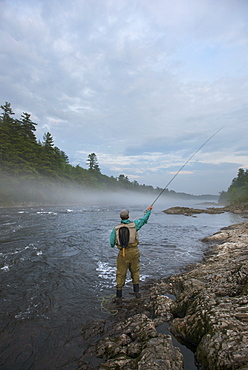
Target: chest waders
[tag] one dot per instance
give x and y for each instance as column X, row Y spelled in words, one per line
column 128, row 258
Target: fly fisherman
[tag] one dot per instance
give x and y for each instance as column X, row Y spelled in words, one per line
column 125, row 236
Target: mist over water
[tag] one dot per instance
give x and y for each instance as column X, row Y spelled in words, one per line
column 16, row 190
column 56, row 265
column 28, row 191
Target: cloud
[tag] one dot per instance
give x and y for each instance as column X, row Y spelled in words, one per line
column 181, row 173
column 141, row 84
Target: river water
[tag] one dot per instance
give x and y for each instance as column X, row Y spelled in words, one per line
column 56, row 265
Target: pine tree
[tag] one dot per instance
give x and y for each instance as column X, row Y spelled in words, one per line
column 93, row 162
column 8, row 132
column 48, row 142
column 28, row 127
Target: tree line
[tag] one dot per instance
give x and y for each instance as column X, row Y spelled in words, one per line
column 237, row 192
column 24, row 159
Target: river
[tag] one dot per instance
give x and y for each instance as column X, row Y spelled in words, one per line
column 56, row 265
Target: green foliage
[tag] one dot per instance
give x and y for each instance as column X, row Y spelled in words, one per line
column 238, row 190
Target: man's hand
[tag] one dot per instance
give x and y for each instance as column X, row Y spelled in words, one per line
column 149, row 208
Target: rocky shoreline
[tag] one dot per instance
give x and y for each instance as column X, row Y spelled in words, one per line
column 206, row 308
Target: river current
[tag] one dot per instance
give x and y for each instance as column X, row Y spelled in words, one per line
column 56, row 265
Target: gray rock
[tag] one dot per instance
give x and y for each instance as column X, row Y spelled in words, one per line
column 119, row 363
column 160, row 353
column 212, row 303
column 135, row 344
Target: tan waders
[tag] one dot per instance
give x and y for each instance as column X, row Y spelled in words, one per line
column 132, row 263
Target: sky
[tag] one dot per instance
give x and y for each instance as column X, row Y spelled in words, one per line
column 142, row 84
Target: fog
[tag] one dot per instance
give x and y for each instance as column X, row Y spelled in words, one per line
column 17, row 191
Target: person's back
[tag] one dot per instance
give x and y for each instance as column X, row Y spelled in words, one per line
column 125, row 236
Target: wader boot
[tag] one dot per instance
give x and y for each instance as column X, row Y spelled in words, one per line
column 136, row 291
column 118, row 299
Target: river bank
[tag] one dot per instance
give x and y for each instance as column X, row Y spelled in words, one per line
column 206, row 308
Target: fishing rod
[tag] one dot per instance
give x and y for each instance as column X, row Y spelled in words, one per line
column 186, row 164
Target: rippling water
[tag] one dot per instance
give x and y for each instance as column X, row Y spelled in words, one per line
column 56, row 264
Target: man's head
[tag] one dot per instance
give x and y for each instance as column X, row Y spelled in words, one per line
column 124, row 215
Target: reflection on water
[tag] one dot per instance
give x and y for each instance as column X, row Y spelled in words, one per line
column 56, row 264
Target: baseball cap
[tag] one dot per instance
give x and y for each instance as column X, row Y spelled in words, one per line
column 124, row 213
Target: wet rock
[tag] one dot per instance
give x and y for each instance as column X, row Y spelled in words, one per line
column 162, row 309
column 93, row 328
column 160, row 353
column 134, row 344
column 137, row 329
column 119, row 363
column 212, row 303
column 160, row 301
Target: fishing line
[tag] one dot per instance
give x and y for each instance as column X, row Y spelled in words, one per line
column 180, row 169
column 106, row 302
column 166, row 186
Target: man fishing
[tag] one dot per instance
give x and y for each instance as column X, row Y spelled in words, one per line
column 125, row 236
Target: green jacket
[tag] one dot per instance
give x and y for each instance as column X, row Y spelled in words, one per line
column 138, row 224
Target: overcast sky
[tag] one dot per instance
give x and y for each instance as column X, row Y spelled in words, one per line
column 143, row 84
